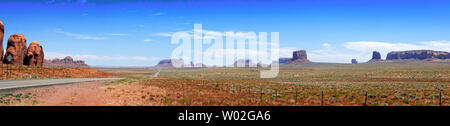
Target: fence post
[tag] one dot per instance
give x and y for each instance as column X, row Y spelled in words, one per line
column 295, row 95
column 440, row 98
column 276, row 94
column 322, row 98
column 260, row 94
column 365, row 99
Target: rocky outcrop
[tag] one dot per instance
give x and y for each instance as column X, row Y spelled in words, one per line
column 354, row 61
column 170, row 63
column 2, row 33
column 35, row 55
column 17, row 48
column 376, row 57
column 426, row 55
column 66, row 62
column 299, row 56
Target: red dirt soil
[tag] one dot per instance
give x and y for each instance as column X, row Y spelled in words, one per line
column 40, row 72
column 80, row 94
column 90, row 94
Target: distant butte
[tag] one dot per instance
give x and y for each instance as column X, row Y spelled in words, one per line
column 17, row 49
column 299, row 56
column 376, row 57
column 423, row 55
column 67, row 62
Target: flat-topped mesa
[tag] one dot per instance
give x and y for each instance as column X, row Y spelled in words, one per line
column 170, row 63
column 35, row 55
column 376, row 57
column 299, row 56
column 17, row 48
column 66, row 62
column 425, row 55
column 2, row 33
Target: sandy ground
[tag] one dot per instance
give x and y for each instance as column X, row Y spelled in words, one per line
column 88, row 94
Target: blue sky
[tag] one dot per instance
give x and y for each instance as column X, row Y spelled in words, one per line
column 135, row 33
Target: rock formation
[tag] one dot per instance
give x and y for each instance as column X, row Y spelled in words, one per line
column 426, row 55
column 376, row 57
column 354, row 61
column 299, row 57
column 17, row 48
column 67, row 62
column 170, row 63
column 35, row 55
column 2, row 33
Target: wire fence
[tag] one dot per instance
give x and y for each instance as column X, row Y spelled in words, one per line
column 295, row 95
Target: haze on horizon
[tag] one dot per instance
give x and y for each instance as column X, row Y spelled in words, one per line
column 137, row 33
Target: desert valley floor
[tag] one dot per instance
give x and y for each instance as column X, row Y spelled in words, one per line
column 305, row 84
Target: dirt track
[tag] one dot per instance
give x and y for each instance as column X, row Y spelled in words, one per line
column 94, row 93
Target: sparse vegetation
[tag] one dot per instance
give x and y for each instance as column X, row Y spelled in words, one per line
column 9, row 98
column 10, row 72
column 311, row 84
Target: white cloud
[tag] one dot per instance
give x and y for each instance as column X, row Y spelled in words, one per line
column 158, row 14
column 366, row 47
column 330, row 55
column 438, row 45
column 89, row 57
column 117, row 34
column 326, row 45
column 362, row 50
column 80, row 36
column 210, row 34
column 148, row 40
column 240, row 54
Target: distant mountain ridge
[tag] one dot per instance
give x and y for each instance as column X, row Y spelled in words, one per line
column 67, row 61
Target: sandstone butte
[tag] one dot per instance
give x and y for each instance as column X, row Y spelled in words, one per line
column 299, row 56
column 376, row 57
column 2, row 33
column 35, row 54
column 425, row 55
column 17, row 48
